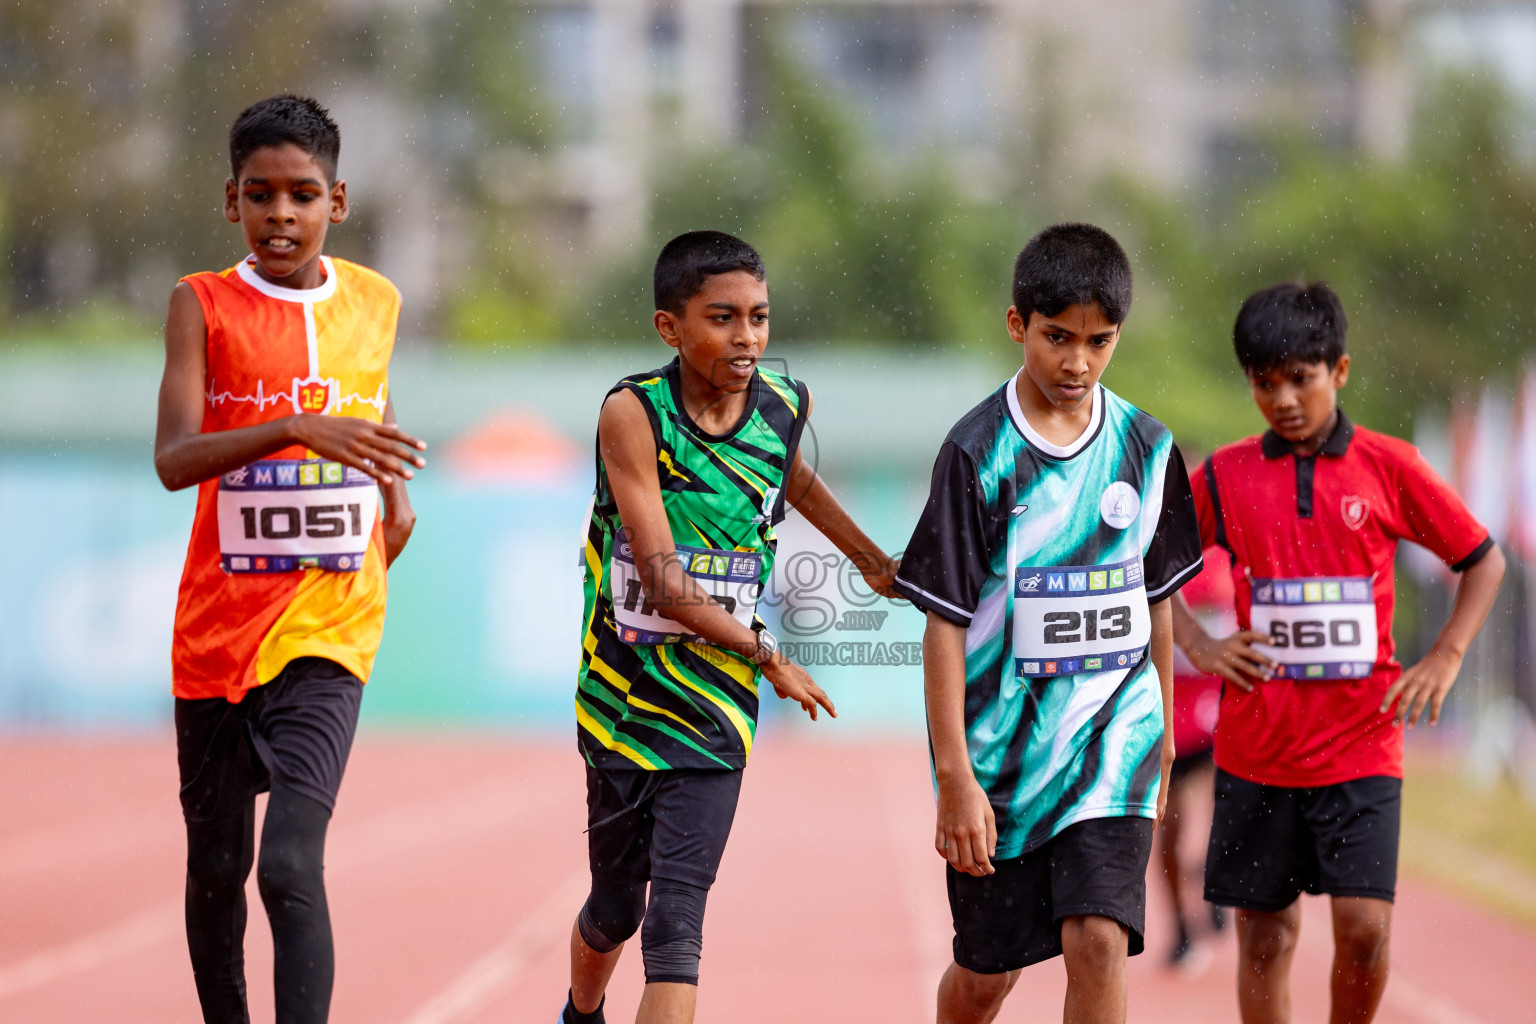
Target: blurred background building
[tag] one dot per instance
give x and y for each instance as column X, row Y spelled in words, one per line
column 525, row 144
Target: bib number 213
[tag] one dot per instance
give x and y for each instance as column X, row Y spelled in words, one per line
column 1088, row 625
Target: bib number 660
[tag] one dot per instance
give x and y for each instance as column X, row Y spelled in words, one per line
column 1091, row 624
column 1314, row 633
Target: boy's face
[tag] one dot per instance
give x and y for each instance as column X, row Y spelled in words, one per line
column 1065, row 354
column 1298, row 398
column 723, row 329
column 284, row 203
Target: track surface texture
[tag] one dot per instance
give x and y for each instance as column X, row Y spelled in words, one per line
column 457, row 863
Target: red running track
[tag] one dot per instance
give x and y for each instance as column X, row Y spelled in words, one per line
column 456, row 865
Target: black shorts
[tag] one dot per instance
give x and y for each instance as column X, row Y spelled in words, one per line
column 1011, row 919
column 669, row 824
column 1269, row 844
column 296, row 729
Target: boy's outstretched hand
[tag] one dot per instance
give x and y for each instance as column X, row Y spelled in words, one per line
column 791, row 682
column 1422, row 687
column 381, row 450
column 1233, row 658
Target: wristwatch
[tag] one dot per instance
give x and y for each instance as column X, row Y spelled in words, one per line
column 767, row 647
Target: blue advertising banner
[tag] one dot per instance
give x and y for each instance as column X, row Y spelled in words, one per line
column 484, row 606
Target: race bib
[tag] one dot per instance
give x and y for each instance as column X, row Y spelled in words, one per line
column 1318, row 628
column 282, row 515
column 732, row 578
column 1084, row 618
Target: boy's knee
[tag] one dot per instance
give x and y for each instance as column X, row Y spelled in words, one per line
column 291, row 865
column 1361, row 938
column 612, row 914
column 1266, row 937
column 673, row 939
column 285, row 871
column 1093, row 943
column 978, row 993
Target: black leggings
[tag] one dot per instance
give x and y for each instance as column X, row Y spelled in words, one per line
column 291, row 879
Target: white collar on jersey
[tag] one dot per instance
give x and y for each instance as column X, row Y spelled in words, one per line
column 327, row 288
column 1016, row 412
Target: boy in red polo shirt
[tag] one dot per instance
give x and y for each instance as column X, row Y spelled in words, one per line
column 1309, row 742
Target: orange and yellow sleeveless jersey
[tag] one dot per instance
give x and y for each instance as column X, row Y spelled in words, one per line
column 242, row 615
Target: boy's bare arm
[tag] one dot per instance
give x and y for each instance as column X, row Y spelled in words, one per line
column 966, row 829
column 184, row 455
column 812, row 498
column 1233, row 658
column 628, row 450
column 1162, row 660
column 399, row 516
column 1425, row 685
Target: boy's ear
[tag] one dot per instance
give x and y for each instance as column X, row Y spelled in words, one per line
column 339, row 207
column 669, row 326
column 1341, row 372
column 231, row 201
column 1016, row 325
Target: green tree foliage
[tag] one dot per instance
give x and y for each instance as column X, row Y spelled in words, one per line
column 1429, row 254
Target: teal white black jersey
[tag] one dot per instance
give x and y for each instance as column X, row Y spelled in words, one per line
column 1050, row 557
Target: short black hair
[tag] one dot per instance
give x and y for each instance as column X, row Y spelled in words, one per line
column 280, row 120
column 690, row 259
column 1072, row 264
column 1302, row 321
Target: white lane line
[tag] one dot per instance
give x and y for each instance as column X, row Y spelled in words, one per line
column 396, row 831
column 50, row 849
column 504, row 965
column 1409, row 997
column 127, row 936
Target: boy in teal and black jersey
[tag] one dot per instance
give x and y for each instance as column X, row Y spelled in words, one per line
column 1058, row 524
column 695, row 463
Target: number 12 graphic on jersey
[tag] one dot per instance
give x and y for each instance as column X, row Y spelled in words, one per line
column 1084, row 618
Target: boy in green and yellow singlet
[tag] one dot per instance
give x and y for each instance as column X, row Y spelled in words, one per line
column 695, row 462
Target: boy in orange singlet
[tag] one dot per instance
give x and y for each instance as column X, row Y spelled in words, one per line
column 275, row 402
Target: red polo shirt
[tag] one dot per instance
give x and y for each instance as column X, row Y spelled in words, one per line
column 1337, row 514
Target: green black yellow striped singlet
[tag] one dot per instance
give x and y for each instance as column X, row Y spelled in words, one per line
column 661, row 700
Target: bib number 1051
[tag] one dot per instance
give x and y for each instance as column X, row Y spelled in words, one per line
column 287, row 522
column 1088, row 625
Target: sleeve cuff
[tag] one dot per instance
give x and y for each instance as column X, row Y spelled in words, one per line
column 1180, row 578
column 933, row 603
column 1476, row 556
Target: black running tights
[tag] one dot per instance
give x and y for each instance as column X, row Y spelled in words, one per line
column 292, row 884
